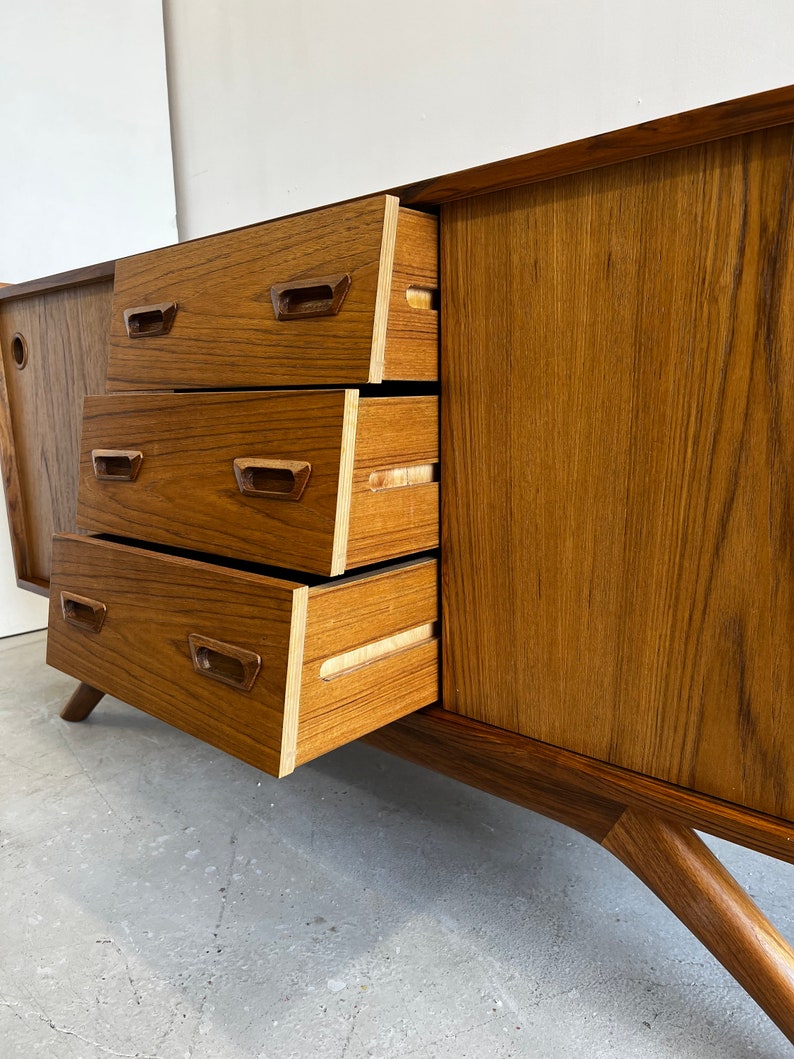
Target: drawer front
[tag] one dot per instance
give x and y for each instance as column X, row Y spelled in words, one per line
column 340, row 296
column 272, row 671
column 313, row 481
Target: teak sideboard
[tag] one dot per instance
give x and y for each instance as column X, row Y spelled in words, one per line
column 258, row 453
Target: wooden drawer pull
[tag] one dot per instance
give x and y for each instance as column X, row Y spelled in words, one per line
column 145, row 321
column 272, row 479
column 303, row 298
column 116, row 465
column 82, row 612
column 224, row 662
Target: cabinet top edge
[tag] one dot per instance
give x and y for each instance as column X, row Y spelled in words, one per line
column 752, row 113
column 76, row 277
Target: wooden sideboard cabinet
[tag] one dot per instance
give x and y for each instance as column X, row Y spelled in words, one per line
column 617, row 455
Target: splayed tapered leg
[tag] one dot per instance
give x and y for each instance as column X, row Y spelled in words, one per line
column 82, row 703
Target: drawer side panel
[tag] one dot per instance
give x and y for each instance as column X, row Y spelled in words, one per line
column 395, row 500
column 399, row 679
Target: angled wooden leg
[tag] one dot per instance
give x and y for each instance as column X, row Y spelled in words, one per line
column 680, row 869
column 82, row 702
column 646, row 824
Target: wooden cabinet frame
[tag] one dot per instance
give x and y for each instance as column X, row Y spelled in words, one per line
column 647, row 821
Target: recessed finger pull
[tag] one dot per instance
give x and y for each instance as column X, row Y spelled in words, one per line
column 116, row 465
column 301, row 299
column 146, row 321
column 82, row 612
column 225, row 662
column 272, row 479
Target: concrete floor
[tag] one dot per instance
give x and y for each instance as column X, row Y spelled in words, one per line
column 160, row 899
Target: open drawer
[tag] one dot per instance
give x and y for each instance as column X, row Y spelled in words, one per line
column 341, row 296
column 317, row 481
column 272, row 671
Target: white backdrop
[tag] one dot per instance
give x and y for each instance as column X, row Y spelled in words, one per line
column 280, row 107
column 87, row 172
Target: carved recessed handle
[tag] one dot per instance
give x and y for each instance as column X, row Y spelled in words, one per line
column 225, row 662
column 272, row 479
column 82, row 612
column 146, row 321
column 301, row 299
column 116, row 465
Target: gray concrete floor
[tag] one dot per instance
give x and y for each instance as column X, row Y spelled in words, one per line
column 160, row 899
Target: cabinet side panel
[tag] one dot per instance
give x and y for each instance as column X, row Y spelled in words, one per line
column 65, row 333
column 617, row 438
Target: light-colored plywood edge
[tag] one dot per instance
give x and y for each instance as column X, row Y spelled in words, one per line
column 391, row 213
column 12, row 482
column 292, row 688
column 345, row 490
column 399, row 477
column 341, row 665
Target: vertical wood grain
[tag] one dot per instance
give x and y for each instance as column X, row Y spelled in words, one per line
column 617, row 435
column 67, row 334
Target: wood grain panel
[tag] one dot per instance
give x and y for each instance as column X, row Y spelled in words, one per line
column 153, row 602
column 186, row 494
column 618, row 446
column 76, row 277
column 142, row 653
column 66, row 331
column 225, row 333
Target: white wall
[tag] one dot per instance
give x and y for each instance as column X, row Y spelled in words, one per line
column 280, row 107
column 86, row 171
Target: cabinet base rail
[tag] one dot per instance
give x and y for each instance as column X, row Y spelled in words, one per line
column 646, row 824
